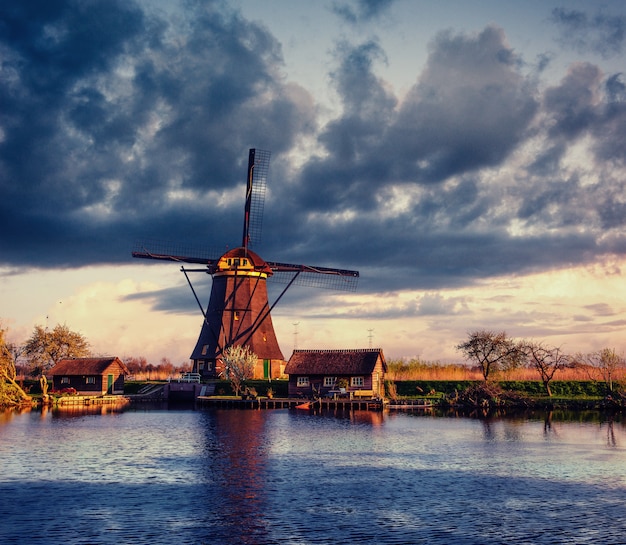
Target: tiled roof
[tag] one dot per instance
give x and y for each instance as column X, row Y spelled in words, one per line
column 327, row 362
column 85, row 366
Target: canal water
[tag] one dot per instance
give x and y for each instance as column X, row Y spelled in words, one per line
column 292, row 477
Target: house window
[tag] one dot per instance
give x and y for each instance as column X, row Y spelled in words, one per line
column 329, row 382
column 91, row 380
column 303, row 381
column 356, row 381
column 65, row 380
column 205, row 349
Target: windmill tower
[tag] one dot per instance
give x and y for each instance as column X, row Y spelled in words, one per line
column 239, row 311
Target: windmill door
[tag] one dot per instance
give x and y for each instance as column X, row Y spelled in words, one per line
column 109, row 384
column 266, row 369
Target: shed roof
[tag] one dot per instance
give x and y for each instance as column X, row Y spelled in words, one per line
column 86, row 366
column 331, row 362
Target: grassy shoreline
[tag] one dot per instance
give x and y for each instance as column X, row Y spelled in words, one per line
column 528, row 394
column 569, row 395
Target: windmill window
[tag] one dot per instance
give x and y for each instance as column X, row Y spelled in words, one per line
column 236, row 262
column 205, row 349
column 356, row 381
column 329, row 382
column 303, row 381
column 236, row 315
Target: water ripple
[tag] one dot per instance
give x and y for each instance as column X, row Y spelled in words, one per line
column 283, row 477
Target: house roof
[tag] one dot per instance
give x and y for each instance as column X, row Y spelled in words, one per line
column 334, row 362
column 86, row 366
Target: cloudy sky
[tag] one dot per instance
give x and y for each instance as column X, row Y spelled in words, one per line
column 468, row 158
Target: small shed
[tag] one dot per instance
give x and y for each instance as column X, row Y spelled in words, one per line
column 90, row 376
column 322, row 372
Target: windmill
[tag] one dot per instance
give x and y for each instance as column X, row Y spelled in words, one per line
column 239, row 311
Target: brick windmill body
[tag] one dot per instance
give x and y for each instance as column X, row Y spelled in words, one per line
column 239, row 311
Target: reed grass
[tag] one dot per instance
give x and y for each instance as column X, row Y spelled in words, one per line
column 414, row 369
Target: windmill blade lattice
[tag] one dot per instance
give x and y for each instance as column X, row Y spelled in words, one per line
column 283, row 273
column 315, row 277
column 173, row 251
column 255, row 202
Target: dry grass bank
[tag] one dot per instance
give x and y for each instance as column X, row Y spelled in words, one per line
column 416, row 370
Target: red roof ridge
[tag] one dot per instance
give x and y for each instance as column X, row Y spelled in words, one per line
column 337, row 350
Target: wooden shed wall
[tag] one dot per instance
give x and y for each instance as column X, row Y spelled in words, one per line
column 98, row 387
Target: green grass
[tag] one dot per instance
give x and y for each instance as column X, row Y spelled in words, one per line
column 560, row 389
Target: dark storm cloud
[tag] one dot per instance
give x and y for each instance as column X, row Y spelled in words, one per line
column 587, row 103
column 440, row 149
column 573, row 103
column 110, row 116
column 602, row 33
column 345, row 178
column 119, row 124
column 610, row 131
column 470, row 108
column 361, row 10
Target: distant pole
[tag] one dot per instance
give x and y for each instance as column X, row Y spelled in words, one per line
column 370, row 331
column 295, row 335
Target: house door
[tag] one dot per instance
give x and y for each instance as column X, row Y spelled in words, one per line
column 266, row 369
column 109, row 384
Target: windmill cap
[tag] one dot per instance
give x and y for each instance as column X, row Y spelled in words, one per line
column 244, row 260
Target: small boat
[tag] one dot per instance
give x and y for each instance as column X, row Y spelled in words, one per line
column 306, row 405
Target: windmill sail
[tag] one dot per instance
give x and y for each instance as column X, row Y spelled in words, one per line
column 258, row 168
column 314, row 277
column 171, row 251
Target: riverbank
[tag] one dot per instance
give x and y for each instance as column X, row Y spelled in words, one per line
column 568, row 395
column 518, row 395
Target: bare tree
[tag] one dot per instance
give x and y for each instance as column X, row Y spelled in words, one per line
column 166, row 366
column 11, row 393
column 604, row 365
column 239, row 364
column 546, row 360
column 492, row 351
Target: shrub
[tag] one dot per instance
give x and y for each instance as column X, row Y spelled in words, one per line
column 391, row 390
